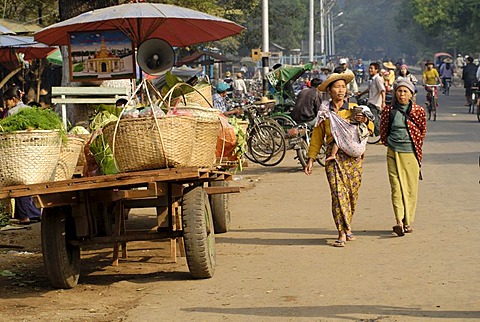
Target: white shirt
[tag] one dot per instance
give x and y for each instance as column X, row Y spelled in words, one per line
column 375, row 89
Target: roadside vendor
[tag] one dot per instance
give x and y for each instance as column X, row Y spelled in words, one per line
column 219, row 101
column 25, row 211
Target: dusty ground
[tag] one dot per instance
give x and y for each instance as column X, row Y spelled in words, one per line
column 277, row 263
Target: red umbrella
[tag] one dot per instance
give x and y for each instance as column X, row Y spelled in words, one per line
column 12, row 45
column 442, row 54
column 180, row 27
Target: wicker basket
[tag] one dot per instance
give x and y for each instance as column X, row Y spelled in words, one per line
column 81, row 159
column 141, row 145
column 69, row 155
column 206, row 132
column 28, row 157
column 196, row 96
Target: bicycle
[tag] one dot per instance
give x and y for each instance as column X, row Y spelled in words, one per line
column 473, row 99
column 447, row 83
column 432, row 100
column 265, row 141
column 374, row 137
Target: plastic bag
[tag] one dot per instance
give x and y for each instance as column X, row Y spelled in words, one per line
column 226, row 140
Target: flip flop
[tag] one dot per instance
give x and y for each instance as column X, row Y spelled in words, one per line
column 351, row 237
column 408, row 229
column 339, row 243
column 398, row 229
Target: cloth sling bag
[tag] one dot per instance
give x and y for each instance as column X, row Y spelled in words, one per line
column 346, row 135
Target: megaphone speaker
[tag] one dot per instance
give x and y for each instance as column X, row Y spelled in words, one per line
column 155, row 56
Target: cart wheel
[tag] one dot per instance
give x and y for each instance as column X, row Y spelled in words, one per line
column 220, row 212
column 198, row 232
column 61, row 260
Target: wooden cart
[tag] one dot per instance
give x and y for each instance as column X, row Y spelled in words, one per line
column 93, row 210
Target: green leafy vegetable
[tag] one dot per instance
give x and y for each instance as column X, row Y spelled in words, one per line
column 33, row 118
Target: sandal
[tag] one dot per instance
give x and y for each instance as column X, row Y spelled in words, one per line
column 339, row 243
column 398, row 229
column 408, row 229
column 351, row 237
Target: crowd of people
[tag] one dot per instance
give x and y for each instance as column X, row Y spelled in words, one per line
column 324, row 105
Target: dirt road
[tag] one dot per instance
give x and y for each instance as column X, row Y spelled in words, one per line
column 277, row 262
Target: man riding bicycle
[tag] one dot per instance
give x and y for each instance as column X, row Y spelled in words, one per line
column 430, row 77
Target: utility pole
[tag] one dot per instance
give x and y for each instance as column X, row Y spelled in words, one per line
column 322, row 33
column 311, row 30
column 266, row 46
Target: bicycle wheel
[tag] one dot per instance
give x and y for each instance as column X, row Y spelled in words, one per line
column 322, row 155
column 266, row 144
column 434, row 108
column 259, row 145
column 447, row 89
column 478, row 112
column 279, row 147
column 429, row 111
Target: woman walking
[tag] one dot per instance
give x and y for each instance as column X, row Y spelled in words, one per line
column 344, row 175
column 402, row 130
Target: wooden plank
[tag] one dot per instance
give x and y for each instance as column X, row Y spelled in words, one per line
column 136, row 236
column 139, row 178
column 91, row 100
column 57, row 200
column 221, row 190
column 89, row 90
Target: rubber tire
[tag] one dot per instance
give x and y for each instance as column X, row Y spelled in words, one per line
column 220, row 212
column 61, row 260
column 478, row 112
column 434, row 108
column 322, row 155
column 198, row 232
column 302, row 153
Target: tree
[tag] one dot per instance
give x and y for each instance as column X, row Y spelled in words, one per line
column 452, row 22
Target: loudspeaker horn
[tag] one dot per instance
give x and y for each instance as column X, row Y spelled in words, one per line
column 155, row 56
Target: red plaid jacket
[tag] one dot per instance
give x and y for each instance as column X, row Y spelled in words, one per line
column 416, row 125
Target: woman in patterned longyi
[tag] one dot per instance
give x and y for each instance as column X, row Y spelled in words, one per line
column 344, row 175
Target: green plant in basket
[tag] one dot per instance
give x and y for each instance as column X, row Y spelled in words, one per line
column 33, row 118
column 241, row 145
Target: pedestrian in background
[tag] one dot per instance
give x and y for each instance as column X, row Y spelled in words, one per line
column 239, row 86
column 402, row 129
column 345, row 174
column 469, row 77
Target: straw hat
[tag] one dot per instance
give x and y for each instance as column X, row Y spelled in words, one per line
column 346, row 76
column 429, row 62
column 389, row 65
column 264, row 100
column 325, row 68
column 448, row 60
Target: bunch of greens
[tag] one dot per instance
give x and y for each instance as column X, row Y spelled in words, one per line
column 241, row 145
column 99, row 146
column 33, row 118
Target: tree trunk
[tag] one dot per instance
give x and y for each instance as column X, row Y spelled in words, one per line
column 69, row 9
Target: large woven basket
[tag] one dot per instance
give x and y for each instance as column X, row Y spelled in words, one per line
column 139, row 144
column 69, row 155
column 28, row 157
column 82, row 159
column 201, row 96
column 206, row 132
